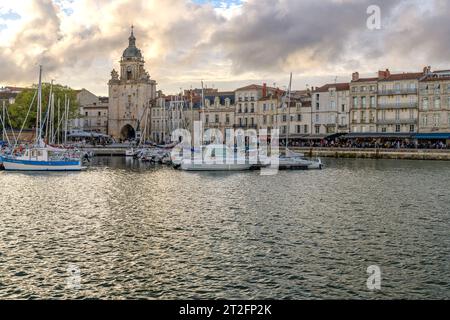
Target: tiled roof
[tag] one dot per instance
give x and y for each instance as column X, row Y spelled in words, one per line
column 446, row 78
column 338, row 86
column 365, row 80
column 256, row 87
column 7, row 95
column 404, row 76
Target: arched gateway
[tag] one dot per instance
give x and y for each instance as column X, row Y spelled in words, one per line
column 127, row 133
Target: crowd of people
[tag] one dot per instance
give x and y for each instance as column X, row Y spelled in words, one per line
column 369, row 144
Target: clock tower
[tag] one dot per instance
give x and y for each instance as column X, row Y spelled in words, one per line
column 131, row 94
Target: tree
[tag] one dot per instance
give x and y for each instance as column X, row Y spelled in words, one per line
column 18, row 111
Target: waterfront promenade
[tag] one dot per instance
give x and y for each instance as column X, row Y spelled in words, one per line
column 363, row 153
column 373, row 153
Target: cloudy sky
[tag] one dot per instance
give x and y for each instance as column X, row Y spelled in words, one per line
column 225, row 43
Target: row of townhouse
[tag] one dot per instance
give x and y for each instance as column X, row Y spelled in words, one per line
column 400, row 103
column 395, row 104
column 390, row 104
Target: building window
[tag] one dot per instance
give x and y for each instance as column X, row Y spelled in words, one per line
column 343, row 108
column 333, row 105
column 355, row 102
column 206, row 119
column 412, row 128
column 437, row 120
column 363, row 102
column 437, row 103
column 99, row 113
column 306, row 127
column 227, row 118
column 217, row 118
column 317, row 118
column 317, row 129
column 86, row 114
column 298, row 129
column 284, row 118
column 372, row 102
column 397, row 128
column 299, row 117
column 425, row 103
column 384, row 129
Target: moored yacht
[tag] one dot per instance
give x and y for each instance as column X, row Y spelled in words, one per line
column 216, row 157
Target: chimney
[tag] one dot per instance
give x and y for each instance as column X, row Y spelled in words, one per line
column 355, row 76
column 388, row 73
column 264, row 90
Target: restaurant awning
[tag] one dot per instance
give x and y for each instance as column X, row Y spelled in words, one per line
column 432, row 136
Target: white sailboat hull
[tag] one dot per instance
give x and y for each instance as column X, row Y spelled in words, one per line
column 20, row 165
column 298, row 163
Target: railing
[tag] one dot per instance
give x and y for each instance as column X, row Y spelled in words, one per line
column 245, row 126
column 398, row 121
column 398, row 91
column 404, row 105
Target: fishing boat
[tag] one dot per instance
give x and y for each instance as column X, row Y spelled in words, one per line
column 217, row 157
column 41, row 157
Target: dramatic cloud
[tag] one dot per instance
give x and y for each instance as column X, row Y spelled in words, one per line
column 226, row 43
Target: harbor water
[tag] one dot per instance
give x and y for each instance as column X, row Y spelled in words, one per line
column 131, row 231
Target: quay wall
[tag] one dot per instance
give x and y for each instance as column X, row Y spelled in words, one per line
column 410, row 154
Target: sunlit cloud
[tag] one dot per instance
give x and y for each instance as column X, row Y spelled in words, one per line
column 224, row 43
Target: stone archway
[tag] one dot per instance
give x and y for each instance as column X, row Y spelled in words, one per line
column 128, row 132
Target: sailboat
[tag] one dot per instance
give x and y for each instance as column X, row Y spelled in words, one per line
column 40, row 157
column 291, row 160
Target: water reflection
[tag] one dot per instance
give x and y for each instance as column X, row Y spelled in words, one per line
column 142, row 231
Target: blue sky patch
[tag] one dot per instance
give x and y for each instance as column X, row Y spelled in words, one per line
column 10, row 15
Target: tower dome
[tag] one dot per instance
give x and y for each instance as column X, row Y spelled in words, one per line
column 132, row 51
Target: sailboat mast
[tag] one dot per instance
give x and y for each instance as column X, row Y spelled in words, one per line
column 3, row 121
column 39, row 108
column 289, row 113
column 52, row 118
column 203, row 104
column 47, row 120
column 67, row 120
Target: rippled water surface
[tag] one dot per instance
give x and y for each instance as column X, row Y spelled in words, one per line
column 156, row 233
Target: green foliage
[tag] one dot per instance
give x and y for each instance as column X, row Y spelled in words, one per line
column 19, row 109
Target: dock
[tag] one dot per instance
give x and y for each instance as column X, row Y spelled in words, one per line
column 400, row 154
